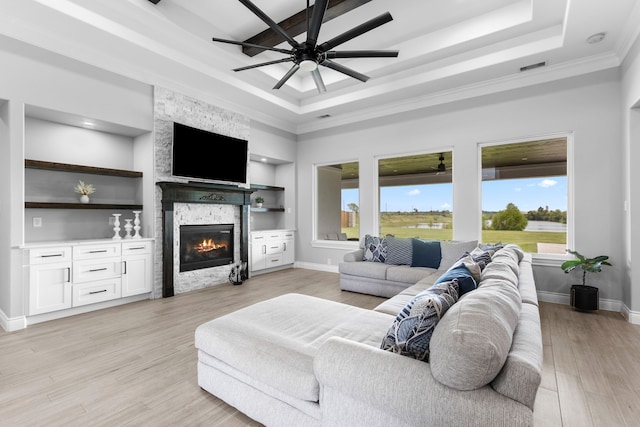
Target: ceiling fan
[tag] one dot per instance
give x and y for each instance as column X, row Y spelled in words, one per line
column 308, row 55
column 441, row 168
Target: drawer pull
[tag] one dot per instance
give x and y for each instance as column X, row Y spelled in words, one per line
column 101, row 251
column 97, row 269
column 135, row 249
column 97, row 292
column 51, row 255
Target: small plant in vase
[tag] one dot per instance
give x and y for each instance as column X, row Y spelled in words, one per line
column 84, row 190
column 259, row 201
column 584, row 297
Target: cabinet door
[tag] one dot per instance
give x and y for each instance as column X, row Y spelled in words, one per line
column 288, row 248
column 136, row 274
column 258, row 252
column 49, row 287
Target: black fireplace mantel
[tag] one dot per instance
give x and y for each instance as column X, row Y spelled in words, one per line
column 194, row 192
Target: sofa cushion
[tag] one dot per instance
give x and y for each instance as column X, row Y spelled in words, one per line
column 466, row 271
column 471, row 342
column 425, row 253
column 375, row 248
column 408, row 274
column 411, row 331
column 453, row 250
column 399, row 251
column 371, row 270
column 274, row 341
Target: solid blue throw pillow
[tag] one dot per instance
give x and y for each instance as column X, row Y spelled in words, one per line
column 466, row 282
column 425, row 254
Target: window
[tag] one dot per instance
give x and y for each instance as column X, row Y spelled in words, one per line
column 525, row 194
column 416, row 195
column 338, row 201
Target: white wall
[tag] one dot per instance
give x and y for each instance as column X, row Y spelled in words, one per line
column 589, row 106
column 631, row 174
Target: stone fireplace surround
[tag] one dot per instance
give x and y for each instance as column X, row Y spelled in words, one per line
column 174, row 194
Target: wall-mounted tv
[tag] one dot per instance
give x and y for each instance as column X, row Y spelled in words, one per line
column 203, row 155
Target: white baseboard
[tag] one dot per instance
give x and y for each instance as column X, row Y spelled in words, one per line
column 632, row 317
column 11, row 324
column 320, row 267
column 605, row 304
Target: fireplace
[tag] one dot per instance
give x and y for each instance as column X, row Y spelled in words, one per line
column 204, row 246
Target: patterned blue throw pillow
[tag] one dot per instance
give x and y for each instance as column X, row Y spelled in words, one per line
column 411, row 331
column 375, row 249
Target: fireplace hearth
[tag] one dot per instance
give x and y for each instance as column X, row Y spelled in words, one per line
column 205, row 246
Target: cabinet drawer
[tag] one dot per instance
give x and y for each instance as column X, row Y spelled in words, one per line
column 87, row 270
column 49, row 255
column 274, row 248
column 134, row 248
column 103, row 290
column 96, row 251
column 274, row 260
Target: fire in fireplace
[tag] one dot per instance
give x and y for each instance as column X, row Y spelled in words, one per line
column 204, row 246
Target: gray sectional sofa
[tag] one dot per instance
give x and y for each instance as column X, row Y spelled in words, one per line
column 297, row 360
column 386, row 280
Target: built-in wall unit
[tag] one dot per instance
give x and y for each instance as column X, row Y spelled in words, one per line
column 87, row 244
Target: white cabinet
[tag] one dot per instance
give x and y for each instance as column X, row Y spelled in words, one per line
column 136, row 273
column 49, row 279
column 85, row 273
column 272, row 248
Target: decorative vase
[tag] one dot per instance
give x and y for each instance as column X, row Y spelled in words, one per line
column 136, row 225
column 127, row 228
column 84, row 198
column 259, row 205
column 116, row 227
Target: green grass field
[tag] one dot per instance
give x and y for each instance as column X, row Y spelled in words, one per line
column 403, row 225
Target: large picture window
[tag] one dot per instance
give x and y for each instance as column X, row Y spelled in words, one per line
column 525, row 194
column 338, row 201
column 416, row 195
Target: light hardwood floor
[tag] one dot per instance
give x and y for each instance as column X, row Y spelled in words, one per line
column 136, row 364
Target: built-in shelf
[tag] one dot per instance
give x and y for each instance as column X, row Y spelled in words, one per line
column 52, row 205
column 267, row 209
column 266, row 187
column 66, row 167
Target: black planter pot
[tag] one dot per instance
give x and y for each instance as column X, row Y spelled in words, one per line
column 584, row 297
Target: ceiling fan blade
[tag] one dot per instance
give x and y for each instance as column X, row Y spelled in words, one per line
column 319, row 9
column 251, row 45
column 270, row 22
column 277, row 61
column 287, row 76
column 317, row 78
column 356, row 31
column 345, row 70
column 362, row 54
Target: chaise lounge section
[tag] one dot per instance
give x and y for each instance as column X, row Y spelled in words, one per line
column 304, row 361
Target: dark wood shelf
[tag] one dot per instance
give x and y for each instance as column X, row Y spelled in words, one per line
column 65, row 167
column 267, row 209
column 50, row 205
column 266, row 187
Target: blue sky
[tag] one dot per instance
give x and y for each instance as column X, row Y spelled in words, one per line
column 527, row 194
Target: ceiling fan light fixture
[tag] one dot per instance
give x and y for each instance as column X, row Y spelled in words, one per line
column 308, row 65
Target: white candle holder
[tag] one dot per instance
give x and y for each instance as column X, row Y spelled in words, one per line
column 136, row 225
column 116, row 227
column 127, row 228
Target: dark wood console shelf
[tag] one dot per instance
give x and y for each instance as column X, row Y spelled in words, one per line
column 65, row 167
column 52, row 205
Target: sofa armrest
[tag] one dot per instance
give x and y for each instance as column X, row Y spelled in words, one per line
column 354, row 256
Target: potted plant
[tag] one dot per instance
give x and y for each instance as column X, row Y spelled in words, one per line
column 84, row 190
column 259, row 201
column 584, row 297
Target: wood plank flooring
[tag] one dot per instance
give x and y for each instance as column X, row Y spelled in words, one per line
column 135, row 365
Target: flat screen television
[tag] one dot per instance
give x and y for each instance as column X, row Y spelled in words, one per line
column 202, row 155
